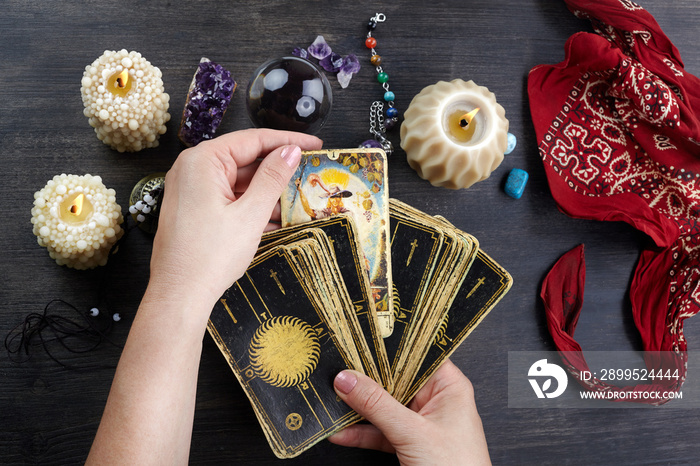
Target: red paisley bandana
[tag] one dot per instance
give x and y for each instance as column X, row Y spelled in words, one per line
column 618, row 129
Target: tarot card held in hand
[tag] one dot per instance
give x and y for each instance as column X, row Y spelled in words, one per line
column 459, row 284
column 430, row 283
column 286, row 341
column 485, row 284
column 353, row 181
column 343, row 237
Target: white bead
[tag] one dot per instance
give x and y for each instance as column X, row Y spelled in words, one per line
column 116, row 317
column 133, row 210
column 101, row 220
column 140, row 218
column 94, row 312
column 146, row 209
column 147, row 198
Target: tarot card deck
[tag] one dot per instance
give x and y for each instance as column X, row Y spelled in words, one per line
column 307, row 307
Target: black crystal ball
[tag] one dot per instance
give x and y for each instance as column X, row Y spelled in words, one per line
column 289, row 93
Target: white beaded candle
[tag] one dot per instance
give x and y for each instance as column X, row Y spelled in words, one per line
column 77, row 219
column 454, row 133
column 125, row 100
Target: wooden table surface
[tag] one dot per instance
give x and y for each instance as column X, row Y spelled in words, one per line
column 49, row 414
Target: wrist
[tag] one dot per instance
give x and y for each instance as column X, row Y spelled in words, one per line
column 185, row 307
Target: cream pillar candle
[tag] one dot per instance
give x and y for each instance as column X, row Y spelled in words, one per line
column 125, row 100
column 454, row 133
column 77, row 219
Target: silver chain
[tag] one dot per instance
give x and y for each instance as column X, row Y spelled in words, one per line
column 376, row 126
column 376, row 118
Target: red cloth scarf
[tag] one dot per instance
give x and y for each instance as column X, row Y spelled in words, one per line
column 618, row 131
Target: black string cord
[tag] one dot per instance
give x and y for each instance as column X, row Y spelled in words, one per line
column 41, row 329
column 77, row 334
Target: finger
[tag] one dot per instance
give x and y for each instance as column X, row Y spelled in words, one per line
column 372, row 402
column 276, row 213
column 243, row 177
column 272, row 226
column 447, row 379
column 362, row 436
column 247, row 145
column 271, row 178
column 275, row 216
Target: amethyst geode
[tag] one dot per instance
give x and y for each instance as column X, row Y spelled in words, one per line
column 208, row 97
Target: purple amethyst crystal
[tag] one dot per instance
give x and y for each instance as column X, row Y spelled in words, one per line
column 350, row 66
column 332, row 63
column 301, row 53
column 208, row 97
column 344, row 67
column 320, row 48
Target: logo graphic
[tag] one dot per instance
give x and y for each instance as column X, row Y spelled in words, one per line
column 543, row 370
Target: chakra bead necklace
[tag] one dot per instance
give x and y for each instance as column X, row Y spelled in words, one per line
column 378, row 124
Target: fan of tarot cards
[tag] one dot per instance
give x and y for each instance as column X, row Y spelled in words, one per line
column 354, row 280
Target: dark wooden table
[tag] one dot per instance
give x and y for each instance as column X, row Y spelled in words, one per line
column 49, row 414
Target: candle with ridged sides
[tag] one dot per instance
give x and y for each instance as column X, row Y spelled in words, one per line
column 77, row 219
column 454, row 133
column 125, row 100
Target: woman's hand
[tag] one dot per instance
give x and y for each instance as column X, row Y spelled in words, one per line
column 219, row 198
column 440, row 426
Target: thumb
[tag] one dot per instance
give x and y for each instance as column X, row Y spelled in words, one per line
column 269, row 181
column 375, row 404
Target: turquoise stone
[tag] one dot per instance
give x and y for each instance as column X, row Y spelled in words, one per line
column 515, row 184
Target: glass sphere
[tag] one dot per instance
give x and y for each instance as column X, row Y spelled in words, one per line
column 289, row 93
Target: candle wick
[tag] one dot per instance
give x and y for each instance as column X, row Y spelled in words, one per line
column 77, row 207
column 463, row 123
column 119, row 82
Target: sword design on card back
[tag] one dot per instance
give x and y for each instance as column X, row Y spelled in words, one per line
column 478, row 284
column 414, row 245
column 273, row 274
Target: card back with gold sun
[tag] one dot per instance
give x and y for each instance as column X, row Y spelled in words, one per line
column 351, row 181
column 285, row 344
column 344, row 247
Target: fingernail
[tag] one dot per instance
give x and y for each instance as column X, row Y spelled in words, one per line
column 345, row 381
column 291, row 155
